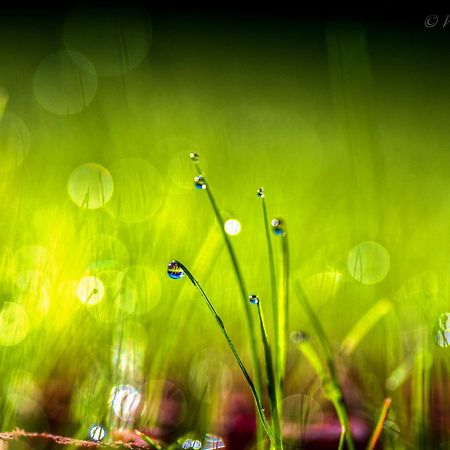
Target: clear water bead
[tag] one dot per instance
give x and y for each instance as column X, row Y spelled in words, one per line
column 278, row 227
column 194, row 156
column 253, row 299
column 199, row 182
column 174, row 270
column 260, row 192
column 97, row 433
column 298, row 336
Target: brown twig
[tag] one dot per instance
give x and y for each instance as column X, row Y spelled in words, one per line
column 380, row 423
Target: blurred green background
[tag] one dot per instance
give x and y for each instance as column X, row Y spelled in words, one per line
column 345, row 123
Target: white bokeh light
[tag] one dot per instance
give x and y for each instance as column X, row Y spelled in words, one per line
column 232, row 227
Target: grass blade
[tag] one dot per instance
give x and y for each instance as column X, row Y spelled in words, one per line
column 258, row 402
column 364, row 325
column 271, row 384
column 380, row 422
column 335, row 393
column 240, row 279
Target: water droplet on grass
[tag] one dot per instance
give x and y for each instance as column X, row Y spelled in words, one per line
column 260, row 192
column 97, row 433
column 212, row 442
column 232, row 227
column 298, row 336
column 253, row 299
column 278, row 227
column 196, row 444
column 174, row 270
column 199, row 182
column 187, row 443
column 442, row 334
column 125, row 401
column 194, row 156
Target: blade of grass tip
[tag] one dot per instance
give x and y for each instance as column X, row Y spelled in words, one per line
column 201, row 181
column 257, row 399
column 342, row 439
column 336, row 396
column 271, row 387
column 380, row 423
column 204, row 262
column 282, row 306
column 279, row 228
column 148, row 440
column 273, row 281
column 364, row 325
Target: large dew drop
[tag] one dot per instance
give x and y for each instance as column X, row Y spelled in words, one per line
column 368, row 262
column 253, row 299
column 174, row 270
column 278, row 227
column 97, row 433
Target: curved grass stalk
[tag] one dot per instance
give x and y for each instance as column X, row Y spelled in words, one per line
column 364, row 325
column 271, row 384
column 335, row 394
column 256, row 397
column 273, row 280
column 380, row 423
column 244, row 294
column 342, row 440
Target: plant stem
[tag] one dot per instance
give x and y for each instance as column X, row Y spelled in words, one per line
column 271, row 386
column 364, row 325
column 244, row 294
column 258, row 402
column 273, row 281
column 335, row 393
column 379, row 426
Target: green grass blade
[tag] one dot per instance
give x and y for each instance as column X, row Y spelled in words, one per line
column 241, row 283
column 258, row 401
column 364, row 325
column 271, row 384
column 148, row 440
column 335, row 393
column 342, row 439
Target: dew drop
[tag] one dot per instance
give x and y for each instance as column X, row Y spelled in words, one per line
column 199, row 182
column 253, row 299
column 298, row 336
column 174, row 270
column 442, row 334
column 278, row 227
column 187, row 444
column 196, row 444
column 97, row 433
column 194, row 157
column 125, row 401
column 212, row 442
column 260, row 192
